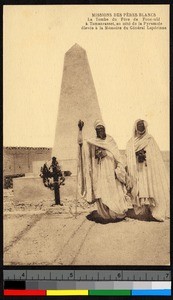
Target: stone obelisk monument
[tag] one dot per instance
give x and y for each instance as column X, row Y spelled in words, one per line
column 78, row 100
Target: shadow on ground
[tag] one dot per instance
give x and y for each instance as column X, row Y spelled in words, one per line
column 147, row 216
column 95, row 217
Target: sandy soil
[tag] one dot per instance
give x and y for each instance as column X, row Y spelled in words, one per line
column 52, row 235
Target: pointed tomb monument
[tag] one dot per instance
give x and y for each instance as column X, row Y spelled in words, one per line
column 78, row 100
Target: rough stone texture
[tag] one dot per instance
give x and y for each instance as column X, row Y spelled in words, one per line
column 78, row 100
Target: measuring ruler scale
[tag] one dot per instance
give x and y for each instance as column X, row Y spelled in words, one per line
column 86, row 282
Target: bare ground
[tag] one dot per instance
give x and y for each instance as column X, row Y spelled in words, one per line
column 51, row 235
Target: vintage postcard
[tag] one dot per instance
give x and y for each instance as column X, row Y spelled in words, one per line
column 86, row 135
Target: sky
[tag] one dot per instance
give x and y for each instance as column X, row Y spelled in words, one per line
column 130, row 70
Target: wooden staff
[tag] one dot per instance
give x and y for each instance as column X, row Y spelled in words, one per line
column 80, row 142
column 80, row 162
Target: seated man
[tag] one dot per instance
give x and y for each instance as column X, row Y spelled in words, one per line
column 147, row 172
column 103, row 174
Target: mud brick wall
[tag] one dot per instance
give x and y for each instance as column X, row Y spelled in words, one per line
column 19, row 159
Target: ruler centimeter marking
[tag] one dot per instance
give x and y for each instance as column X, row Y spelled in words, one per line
column 87, row 275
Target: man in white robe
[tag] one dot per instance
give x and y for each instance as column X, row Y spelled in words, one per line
column 103, row 175
column 150, row 192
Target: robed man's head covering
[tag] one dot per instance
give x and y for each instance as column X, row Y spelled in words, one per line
column 135, row 126
column 98, row 123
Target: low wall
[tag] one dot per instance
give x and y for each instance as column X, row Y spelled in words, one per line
column 32, row 190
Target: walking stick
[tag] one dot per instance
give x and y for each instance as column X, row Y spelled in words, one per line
column 79, row 163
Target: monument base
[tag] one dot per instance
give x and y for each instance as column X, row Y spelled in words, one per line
column 32, row 190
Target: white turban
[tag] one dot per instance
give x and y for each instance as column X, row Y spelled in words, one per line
column 135, row 126
column 98, row 123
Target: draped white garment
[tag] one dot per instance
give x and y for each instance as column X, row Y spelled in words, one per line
column 149, row 179
column 99, row 178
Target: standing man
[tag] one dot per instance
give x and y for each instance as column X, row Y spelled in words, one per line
column 150, row 193
column 104, row 176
